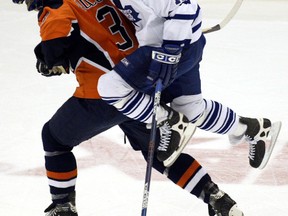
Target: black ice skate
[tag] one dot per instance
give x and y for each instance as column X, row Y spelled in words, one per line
column 65, row 209
column 261, row 136
column 221, row 204
column 175, row 133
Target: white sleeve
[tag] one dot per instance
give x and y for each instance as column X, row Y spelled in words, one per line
column 180, row 16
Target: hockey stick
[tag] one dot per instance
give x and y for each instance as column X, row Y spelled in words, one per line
column 226, row 20
column 151, row 147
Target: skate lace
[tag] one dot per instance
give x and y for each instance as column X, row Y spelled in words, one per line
column 166, row 132
column 252, row 147
column 61, row 208
column 53, row 212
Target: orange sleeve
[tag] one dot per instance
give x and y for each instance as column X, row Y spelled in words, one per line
column 56, row 23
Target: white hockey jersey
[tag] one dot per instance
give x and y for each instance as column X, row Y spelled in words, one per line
column 178, row 21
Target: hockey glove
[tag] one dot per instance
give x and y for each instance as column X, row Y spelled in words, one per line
column 56, row 70
column 164, row 64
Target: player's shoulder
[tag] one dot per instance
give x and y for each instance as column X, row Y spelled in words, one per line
column 56, row 22
column 50, row 13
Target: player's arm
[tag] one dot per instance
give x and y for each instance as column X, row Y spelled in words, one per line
column 180, row 16
column 177, row 29
column 58, row 38
column 51, row 58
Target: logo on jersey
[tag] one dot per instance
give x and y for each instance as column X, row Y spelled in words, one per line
column 131, row 14
column 182, row 2
column 125, row 62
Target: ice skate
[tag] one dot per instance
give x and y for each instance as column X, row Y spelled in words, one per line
column 221, row 204
column 175, row 133
column 65, row 209
column 261, row 136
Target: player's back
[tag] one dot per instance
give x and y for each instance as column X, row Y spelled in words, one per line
column 102, row 23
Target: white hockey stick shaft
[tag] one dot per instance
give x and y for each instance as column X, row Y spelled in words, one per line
column 226, row 20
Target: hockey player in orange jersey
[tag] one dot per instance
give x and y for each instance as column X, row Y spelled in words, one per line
column 88, row 38
column 110, row 31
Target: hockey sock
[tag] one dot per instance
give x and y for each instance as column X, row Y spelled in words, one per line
column 187, row 173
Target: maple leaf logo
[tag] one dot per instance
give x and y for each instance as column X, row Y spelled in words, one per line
column 131, row 14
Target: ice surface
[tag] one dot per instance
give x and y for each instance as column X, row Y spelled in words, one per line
column 245, row 66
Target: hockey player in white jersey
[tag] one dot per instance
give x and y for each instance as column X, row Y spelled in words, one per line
column 171, row 45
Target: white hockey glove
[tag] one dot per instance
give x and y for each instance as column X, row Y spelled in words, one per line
column 164, row 64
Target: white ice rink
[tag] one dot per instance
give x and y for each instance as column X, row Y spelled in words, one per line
column 245, row 66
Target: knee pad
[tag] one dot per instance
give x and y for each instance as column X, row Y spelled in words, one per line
column 50, row 144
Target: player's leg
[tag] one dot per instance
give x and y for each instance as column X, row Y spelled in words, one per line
column 185, row 97
column 61, row 171
column 215, row 117
column 185, row 172
column 76, row 121
column 129, row 92
column 188, row 174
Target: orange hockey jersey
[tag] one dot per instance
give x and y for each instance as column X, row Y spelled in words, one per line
column 92, row 34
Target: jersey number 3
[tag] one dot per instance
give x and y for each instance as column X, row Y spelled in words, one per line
column 116, row 27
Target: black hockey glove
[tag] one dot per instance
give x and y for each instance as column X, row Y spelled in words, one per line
column 41, row 67
column 56, row 70
column 164, row 64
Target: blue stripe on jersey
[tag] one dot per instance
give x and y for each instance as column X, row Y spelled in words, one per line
column 110, row 101
column 195, row 28
column 147, row 113
column 182, row 17
column 131, row 106
column 113, row 100
column 132, row 103
column 197, row 11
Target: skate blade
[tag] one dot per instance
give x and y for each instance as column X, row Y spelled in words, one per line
column 235, row 211
column 190, row 130
column 271, row 141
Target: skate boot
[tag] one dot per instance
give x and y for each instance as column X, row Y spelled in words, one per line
column 256, row 135
column 65, row 209
column 175, row 132
column 220, row 203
